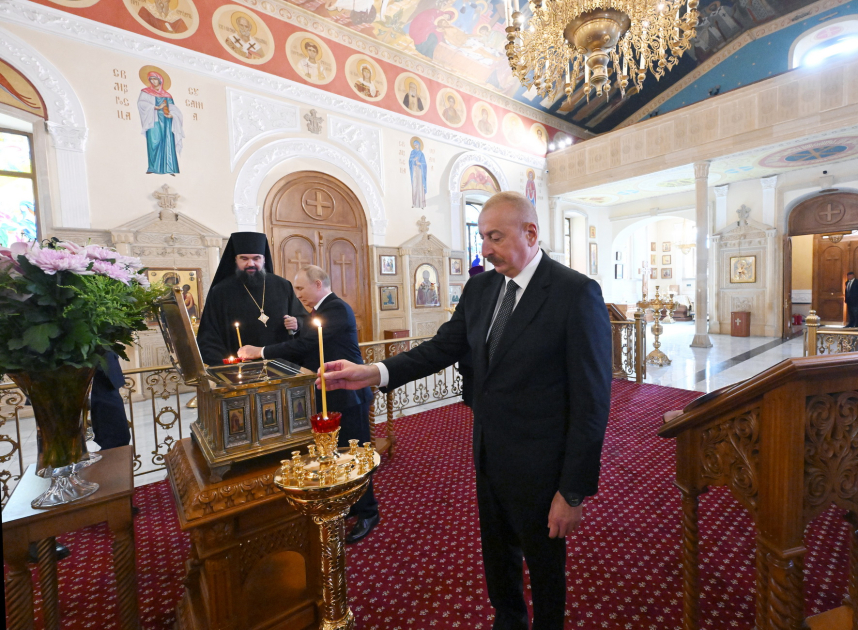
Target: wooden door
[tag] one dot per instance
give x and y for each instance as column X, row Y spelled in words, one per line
column 313, row 218
column 831, row 262
column 787, row 312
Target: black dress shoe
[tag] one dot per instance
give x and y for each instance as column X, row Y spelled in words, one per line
column 63, row 552
column 361, row 529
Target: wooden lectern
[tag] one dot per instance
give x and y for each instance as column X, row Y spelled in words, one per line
column 786, row 444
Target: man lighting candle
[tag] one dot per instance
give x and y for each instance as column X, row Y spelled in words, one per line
column 336, row 333
column 247, row 300
column 540, row 341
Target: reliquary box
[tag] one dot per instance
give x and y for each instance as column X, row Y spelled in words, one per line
column 245, row 410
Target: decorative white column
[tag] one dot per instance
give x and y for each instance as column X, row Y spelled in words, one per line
column 457, row 219
column 555, row 232
column 245, row 217
column 701, row 184
column 769, row 185
column 721, row 206
column 715, row 283
column 69, row 143
column 213, row 246
column 774, row 287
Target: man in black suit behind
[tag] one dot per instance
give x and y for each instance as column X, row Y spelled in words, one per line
column 851, row 299
column 339, row 329
column 540, row 343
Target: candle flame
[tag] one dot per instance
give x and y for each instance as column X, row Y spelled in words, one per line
column 236, row 324
column 318, row 322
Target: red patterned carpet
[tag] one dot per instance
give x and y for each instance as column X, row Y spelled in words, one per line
column 421, row 568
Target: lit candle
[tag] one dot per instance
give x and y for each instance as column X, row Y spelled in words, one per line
column 318, row 323
column 238, row 332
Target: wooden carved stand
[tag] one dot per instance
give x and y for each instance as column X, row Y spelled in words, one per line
column 255, row 561
column 783, row 442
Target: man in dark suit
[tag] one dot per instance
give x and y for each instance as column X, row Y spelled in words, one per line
column 540, row 342
column 107, row 409
column 851, row 298
column 339, row 329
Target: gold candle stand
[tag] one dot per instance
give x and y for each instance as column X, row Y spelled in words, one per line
column 657, row 357
column 324, row 484
column 195, row 326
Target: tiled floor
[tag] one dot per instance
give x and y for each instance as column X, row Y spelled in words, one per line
column 729, row 360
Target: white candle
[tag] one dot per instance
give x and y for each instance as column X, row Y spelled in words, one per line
column 318, row 323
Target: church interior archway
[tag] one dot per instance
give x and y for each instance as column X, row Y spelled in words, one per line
column 314, row 218
column 821, row 246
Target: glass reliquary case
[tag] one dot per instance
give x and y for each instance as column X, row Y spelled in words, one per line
column 244, row 410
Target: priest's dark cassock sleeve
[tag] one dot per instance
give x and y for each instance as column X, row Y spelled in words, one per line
column 228, row 302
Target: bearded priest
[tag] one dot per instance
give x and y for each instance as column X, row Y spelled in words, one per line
column 246, row 292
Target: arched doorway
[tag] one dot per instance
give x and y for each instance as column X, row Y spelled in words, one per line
column 313, row 218
column 819, row 250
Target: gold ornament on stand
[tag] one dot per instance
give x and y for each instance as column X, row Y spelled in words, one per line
column 324, row 484
column 561, row 39
column 195, row 326
column 657, row 357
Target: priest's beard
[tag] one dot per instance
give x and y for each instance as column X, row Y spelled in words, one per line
column 251, row 280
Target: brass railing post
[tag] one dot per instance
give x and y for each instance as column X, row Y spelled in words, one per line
column 810, row 330
column 640, row 346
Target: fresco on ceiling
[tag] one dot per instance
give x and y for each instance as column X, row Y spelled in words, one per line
column 464, row 36
column 174, row 19
column 265, row 37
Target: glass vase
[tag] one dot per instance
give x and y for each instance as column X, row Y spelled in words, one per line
column 58, row 398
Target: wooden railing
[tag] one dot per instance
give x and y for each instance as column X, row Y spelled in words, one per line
column 783, row 443
column 629, row 341
column 822, row 340
column 156, row 404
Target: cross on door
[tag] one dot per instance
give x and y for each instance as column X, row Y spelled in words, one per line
column 319, row 203
column 298, row 261
column 342, row 262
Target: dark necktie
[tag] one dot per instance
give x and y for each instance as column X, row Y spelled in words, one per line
column 504, row 312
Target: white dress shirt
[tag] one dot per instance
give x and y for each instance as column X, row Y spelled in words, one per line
column 522, row 280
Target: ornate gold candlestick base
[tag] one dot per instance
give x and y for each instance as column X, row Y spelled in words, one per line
column 657, row 357
column 325, row 490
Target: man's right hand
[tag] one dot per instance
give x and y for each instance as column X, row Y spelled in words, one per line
column 347, row 375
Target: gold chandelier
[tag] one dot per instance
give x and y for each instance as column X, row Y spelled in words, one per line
column 563, row 38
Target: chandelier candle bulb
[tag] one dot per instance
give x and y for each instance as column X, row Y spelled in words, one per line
column 238, row 332
column 318, row 323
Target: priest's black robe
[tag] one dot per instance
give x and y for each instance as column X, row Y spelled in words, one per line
column 228, row 302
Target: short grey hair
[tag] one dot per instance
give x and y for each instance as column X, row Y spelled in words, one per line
column 521, row 204
column 315, row 273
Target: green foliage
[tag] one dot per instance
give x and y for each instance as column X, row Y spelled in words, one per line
column 47, row 321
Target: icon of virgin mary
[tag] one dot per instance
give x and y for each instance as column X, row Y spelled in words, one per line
column 161, row 121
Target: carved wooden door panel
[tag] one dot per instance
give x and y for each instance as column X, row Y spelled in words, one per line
column 313, row 218
column 787, row 312
column 830, row 266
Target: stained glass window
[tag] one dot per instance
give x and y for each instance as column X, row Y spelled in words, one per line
column 17, row 188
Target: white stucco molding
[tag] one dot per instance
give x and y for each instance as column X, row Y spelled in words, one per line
column 460, row 165
column 252, row 117
column 363, row 140
column 66, row 126
column 58, row 22
column 261, row 161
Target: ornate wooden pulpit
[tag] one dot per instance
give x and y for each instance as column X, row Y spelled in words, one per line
column 786, row 444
